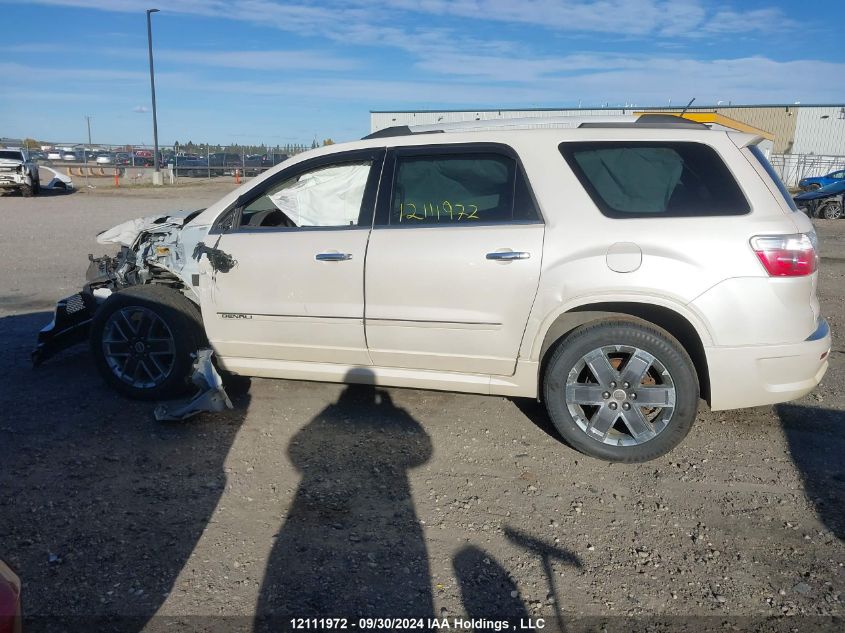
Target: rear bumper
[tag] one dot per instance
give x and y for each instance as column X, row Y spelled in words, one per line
column 753, row 376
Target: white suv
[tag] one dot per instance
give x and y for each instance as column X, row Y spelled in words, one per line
column 618, row 271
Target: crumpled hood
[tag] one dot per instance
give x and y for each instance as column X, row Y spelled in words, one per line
column 164, row 241
column 127, row 232
column 825, row 192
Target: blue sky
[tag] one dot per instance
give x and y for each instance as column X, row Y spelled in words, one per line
column 252, row 71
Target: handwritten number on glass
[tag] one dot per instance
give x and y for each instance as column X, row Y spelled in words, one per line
column 446, row 210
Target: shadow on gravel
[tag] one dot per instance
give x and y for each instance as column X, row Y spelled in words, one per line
column 351, row 543
column 487, row 589
column 817, row 443
column 44, row 193
column 537, row 414
column 100, row 505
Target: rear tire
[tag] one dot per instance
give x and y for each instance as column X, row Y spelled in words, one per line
column 26, row 191
column 600, row 379
column 144, row 340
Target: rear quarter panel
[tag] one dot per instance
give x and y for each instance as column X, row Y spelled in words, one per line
column 682, row 258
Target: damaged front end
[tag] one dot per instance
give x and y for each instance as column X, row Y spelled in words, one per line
column 155, row 253
column 154, row 249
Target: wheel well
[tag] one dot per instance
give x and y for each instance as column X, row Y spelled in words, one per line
column 660, row 316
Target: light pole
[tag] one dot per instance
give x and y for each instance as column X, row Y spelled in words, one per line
column 157, row 172
column 87, row 151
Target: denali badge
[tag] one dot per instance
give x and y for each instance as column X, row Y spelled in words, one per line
column 234, row 315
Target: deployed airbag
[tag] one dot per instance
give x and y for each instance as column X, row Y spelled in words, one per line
column 325, row 197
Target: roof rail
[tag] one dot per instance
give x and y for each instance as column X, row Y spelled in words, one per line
column 643, row 121
column 397, row 130
column 650, row 121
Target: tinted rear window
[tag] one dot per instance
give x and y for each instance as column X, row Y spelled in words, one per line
column 460, row 189
column 764, row 162
column 655, row 179
column 11, row 155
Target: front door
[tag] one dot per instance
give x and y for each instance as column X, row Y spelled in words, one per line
column 454, row 260
column 293, row 288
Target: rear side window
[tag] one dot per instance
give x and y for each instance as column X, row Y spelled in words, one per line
column 655, row 179
column 767, row 166
column 459, row 189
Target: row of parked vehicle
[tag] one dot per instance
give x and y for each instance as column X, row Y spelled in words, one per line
column 821, row 196
column 139, row 158
column 184, row 164
column 224, row 163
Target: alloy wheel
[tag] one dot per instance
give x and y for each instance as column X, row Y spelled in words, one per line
column 139, row 347
column 620, row 395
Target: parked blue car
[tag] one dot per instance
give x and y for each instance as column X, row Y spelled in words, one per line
column 816, row 182
column 825, row 202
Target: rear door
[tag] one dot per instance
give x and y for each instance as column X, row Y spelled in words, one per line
column 454, row 260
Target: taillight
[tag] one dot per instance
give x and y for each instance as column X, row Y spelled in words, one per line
column 786, row 255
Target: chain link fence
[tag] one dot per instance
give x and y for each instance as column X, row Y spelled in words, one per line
column 133, row 163
column 793, row 167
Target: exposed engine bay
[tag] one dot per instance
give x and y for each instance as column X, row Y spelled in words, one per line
column 157, row 250
column 153, row 249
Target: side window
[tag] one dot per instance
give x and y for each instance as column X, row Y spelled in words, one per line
column 459, row 189
column 326, row 196
column 647, row 179
column 838, row 175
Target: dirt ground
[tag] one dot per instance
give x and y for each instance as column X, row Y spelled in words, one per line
column 318, row 500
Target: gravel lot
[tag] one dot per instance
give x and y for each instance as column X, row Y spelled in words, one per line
column 320, row 500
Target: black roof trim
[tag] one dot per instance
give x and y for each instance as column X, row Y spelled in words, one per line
column 650, row 121
column 396, row 130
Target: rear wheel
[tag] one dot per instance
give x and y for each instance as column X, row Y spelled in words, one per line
column 144, row 339
column 621, row 391
column 26, row 191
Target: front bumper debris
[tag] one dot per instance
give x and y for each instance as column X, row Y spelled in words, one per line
column 70, row 325
column 210, row 397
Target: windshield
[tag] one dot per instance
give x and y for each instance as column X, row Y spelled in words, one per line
column 10, row 154
column 764, row 162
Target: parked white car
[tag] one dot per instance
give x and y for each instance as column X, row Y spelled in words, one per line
column 618, row 271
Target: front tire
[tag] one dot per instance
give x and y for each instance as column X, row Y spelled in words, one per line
column 831, row 211
column 144, row 340
column 621, row 391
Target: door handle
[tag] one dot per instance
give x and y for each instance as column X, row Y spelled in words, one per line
column 508, row 255
column 333, row 257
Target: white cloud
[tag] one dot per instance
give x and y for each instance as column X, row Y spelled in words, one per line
column 481, row 82
column 343, row 20
column 140, row 109
column 289, row 60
